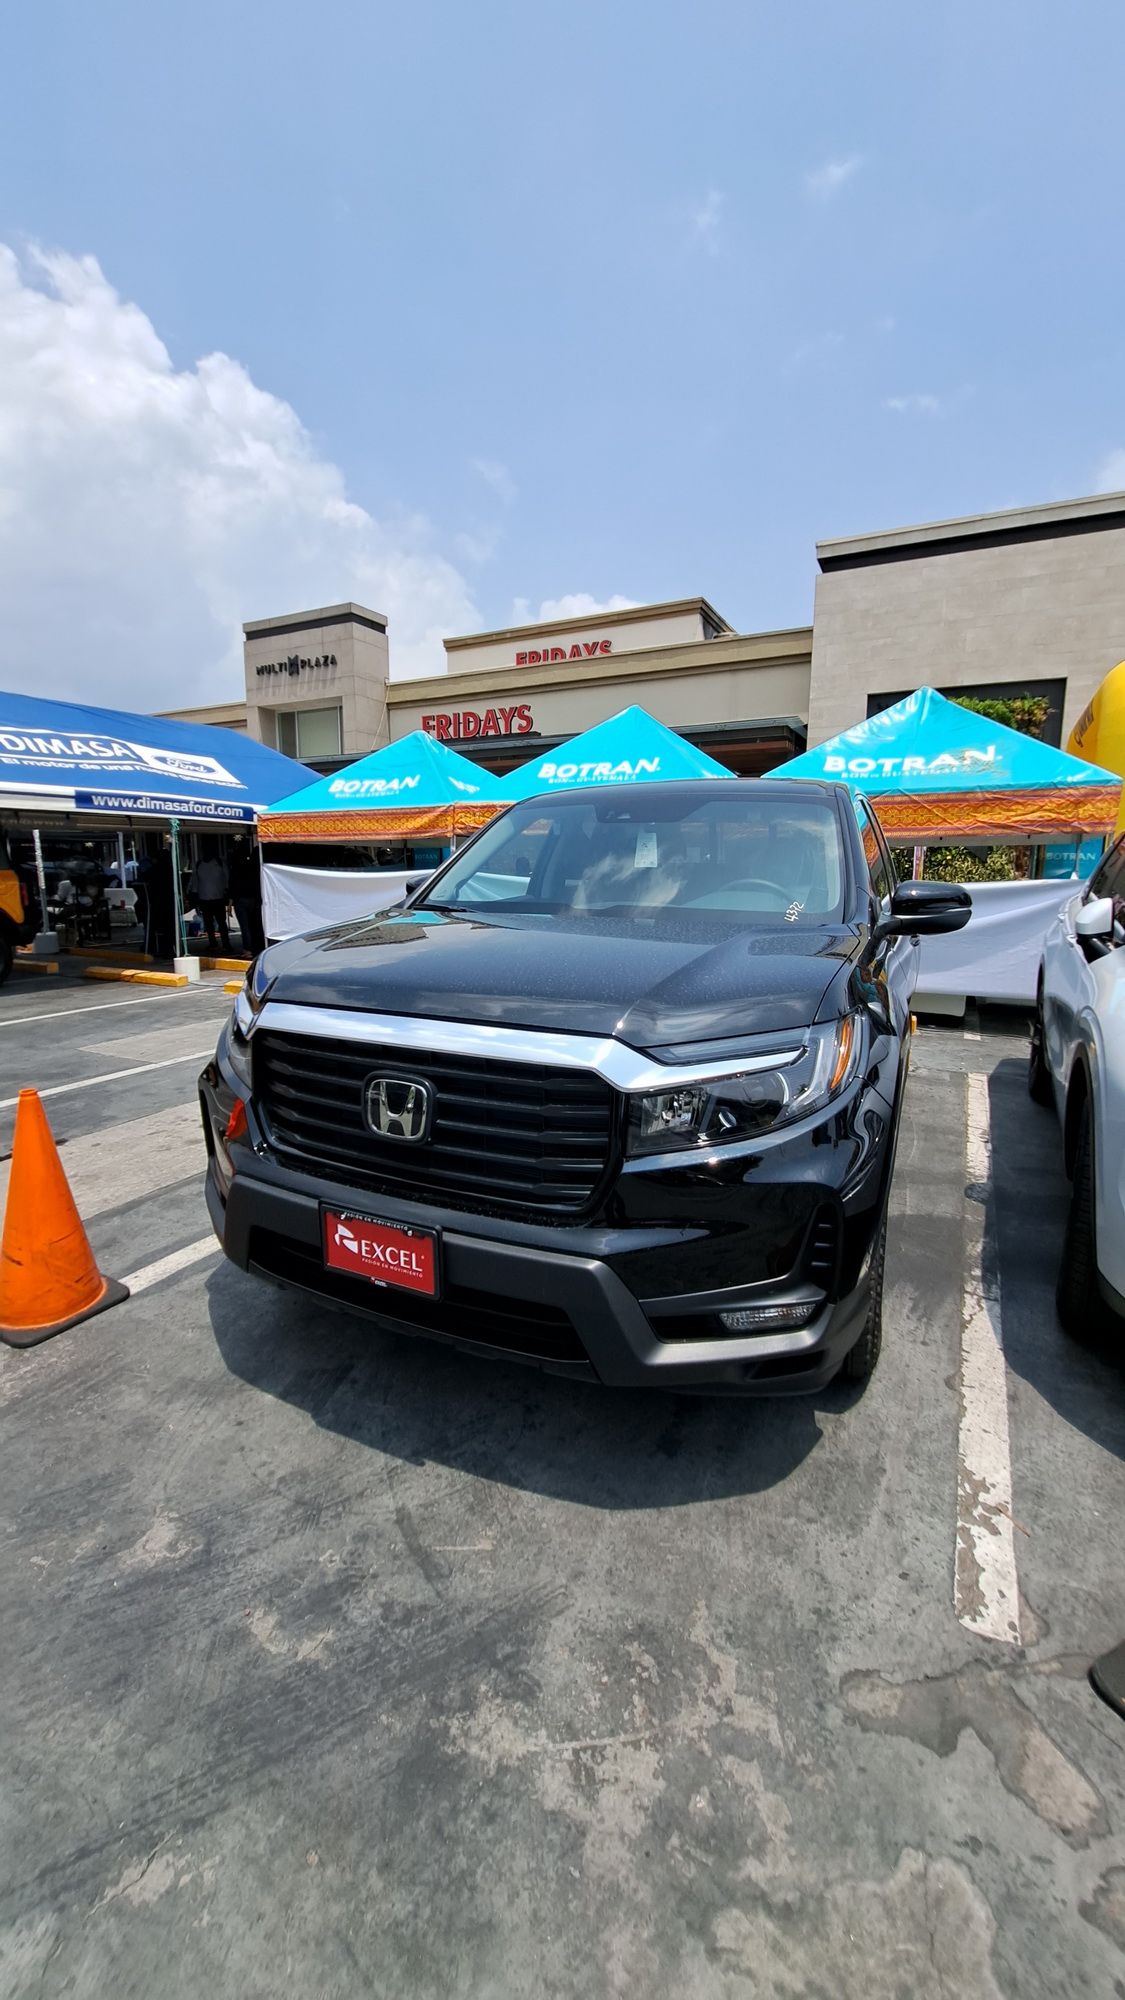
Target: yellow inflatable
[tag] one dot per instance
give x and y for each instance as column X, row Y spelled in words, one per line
column 1099, row 733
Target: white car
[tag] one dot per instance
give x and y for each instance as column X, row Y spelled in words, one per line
column 1078, row 1065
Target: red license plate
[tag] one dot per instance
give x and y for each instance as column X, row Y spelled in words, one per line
column 388, row 1253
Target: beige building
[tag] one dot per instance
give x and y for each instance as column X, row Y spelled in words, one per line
column 1031, row 600
column 315, row 685
column 512, row 694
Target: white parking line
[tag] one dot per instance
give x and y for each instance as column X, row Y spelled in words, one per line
column 99, row 1007
column 111, row 1076
column 166, row 1267
column 986, row 1584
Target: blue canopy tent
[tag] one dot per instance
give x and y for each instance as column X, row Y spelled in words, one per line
column 414, row 787
column 414, row 790
column 629, row 747
column 62, row 757
column 936, row 771
column 64, row 765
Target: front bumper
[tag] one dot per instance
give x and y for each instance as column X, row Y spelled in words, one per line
column 570, row 1299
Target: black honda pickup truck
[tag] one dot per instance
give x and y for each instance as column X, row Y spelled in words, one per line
column 615, row 1092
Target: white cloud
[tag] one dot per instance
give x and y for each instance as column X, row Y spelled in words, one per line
column 913, row 406
column 819, row 353
column 1111, row 474
column 145, row 510
column 579, row 604
column 827, row 180
column 477, row 548
column 706, row 221
column 498, row 477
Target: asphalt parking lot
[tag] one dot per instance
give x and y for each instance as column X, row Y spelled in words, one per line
column 345, row 1664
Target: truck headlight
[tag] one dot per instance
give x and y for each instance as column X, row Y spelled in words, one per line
column 237, row 1053
column 248, row 1005
column 739, row 1106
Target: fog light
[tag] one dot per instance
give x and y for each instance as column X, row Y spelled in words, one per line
column 755, row 1319
column 220, row 1132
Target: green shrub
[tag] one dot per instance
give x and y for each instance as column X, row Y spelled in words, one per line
column 1025, row 712
column 957, row 864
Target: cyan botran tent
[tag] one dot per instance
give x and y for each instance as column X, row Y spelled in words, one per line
column 935, row 771
column 61, row 757
column 629, row 747
column 408, row 790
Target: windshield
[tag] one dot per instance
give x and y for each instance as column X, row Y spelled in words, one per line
column 747, row 858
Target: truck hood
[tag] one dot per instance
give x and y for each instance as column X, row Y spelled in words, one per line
column 576, row 975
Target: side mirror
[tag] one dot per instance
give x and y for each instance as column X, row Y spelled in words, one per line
column 1095, row 920
column 926, row 909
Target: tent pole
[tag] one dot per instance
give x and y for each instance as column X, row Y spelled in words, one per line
column 46, row 941
column 919, row 863
column 181, row 942
column 121, row 856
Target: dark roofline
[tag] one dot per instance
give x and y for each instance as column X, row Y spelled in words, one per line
column 1093, row 515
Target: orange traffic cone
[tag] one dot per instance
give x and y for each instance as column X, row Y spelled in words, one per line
column 49, row 1279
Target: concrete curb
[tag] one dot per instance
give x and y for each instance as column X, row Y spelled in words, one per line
column 136, row 978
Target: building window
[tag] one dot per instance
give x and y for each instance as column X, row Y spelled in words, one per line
column 309, row 732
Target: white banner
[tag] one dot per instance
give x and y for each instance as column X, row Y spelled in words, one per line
column 296, row 900
column 996, row 956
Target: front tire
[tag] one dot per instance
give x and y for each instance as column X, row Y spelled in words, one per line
column 1038, row 1075
column 5, row 957
column 1077, row 1296
column 859, row 1362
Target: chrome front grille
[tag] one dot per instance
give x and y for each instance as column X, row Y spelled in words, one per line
column 505, row 1134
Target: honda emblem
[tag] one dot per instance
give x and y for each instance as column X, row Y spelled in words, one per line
column 398, row 1107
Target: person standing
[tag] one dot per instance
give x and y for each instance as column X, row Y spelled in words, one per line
column 159, row 904
column 209, row 887
column 246, row 895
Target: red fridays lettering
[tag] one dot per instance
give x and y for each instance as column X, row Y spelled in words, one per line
column 467, row 722
column 583, row 651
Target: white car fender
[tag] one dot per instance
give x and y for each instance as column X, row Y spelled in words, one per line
column 1102, row 1032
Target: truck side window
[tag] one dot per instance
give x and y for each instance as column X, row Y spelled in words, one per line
column 879, row 867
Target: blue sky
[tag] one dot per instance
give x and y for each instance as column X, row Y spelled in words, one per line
column 530, row 301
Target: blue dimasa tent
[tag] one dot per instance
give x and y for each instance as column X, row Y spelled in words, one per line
column 629, row 747
column 414, row 786
column 937, row 771
column 61, row 757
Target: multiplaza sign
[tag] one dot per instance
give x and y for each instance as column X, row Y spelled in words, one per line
column 467, row 722
column 295, row 664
